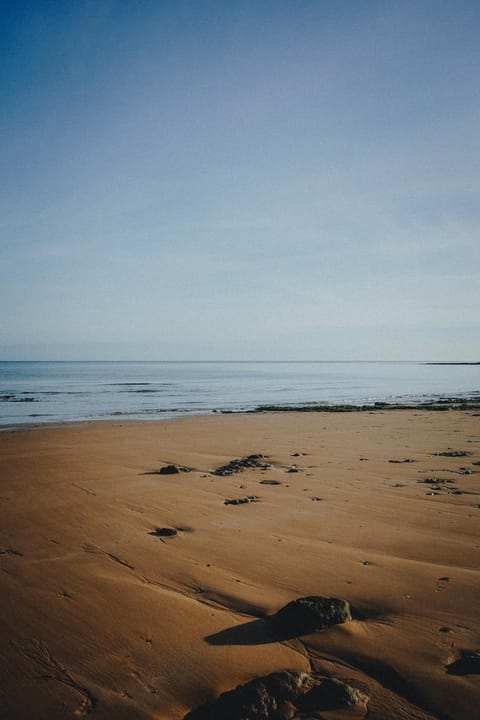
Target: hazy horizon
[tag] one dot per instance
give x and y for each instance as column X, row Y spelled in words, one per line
column 186, row 181
column 212, row 360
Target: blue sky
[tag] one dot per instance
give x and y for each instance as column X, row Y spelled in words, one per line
column 240, row 180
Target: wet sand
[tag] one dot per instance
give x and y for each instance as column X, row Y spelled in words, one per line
column 101, row 617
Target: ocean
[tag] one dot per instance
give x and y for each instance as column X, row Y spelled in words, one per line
column 58, row 392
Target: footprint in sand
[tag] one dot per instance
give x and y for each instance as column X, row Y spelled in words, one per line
column 442, row 584
column 447, row 638
column 10, row 551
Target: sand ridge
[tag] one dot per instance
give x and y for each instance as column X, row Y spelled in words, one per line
column 102, row 618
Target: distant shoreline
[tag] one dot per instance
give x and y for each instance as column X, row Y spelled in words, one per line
column 440, row 405
column 452, row 363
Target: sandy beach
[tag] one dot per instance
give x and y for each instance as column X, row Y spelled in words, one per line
column 103, row 615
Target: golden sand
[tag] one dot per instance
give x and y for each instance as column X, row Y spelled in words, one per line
column 101, row 617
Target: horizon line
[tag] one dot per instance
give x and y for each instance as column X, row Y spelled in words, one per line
column 291, row 360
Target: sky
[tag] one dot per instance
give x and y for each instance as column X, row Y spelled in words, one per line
column 285, row 179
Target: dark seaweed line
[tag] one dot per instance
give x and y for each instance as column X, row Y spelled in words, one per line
column 439, row 405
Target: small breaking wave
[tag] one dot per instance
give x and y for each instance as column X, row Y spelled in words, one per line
column 121, row 384
column 16, row 399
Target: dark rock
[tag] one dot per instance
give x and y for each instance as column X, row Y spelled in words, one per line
column 234, row 466
column 267, row 698
column 169, row 470
column 453, row 453
column 293, row 469
column 407, row 460
column 164, row 532
column 241, row 501
column 280, row 696
column 437, row 481
column 309, row 614
column 270, row 482
column 467, row 664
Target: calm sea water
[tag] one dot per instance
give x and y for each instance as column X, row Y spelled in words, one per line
column 44, row 392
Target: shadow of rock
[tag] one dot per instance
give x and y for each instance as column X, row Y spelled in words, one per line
column 467, row 664
column 254, row 632
column 164, row 532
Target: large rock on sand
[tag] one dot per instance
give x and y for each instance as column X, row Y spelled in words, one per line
column 266, row 698
column 282, row 696
column 309, row 614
